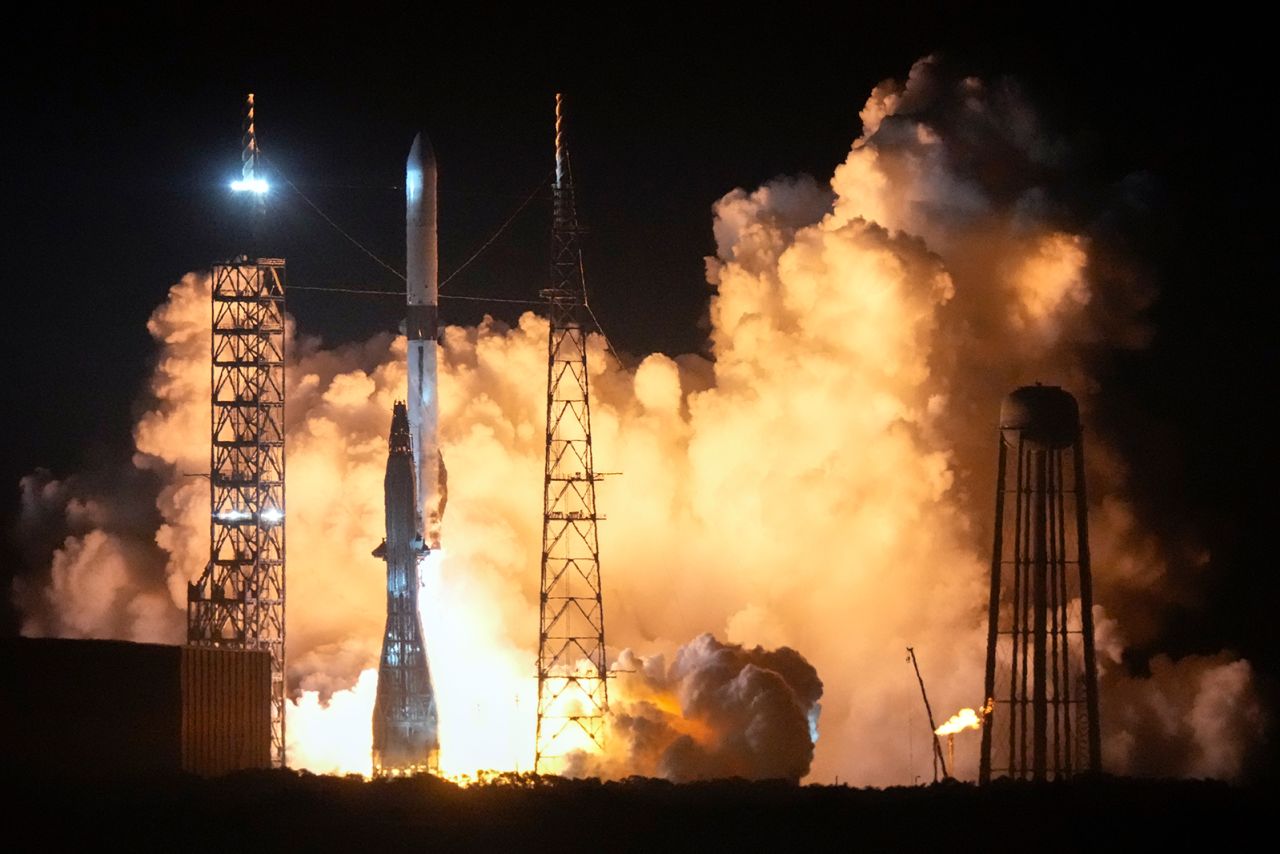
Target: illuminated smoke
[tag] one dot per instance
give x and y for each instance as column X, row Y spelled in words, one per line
column 719, row 710
column 823, row 484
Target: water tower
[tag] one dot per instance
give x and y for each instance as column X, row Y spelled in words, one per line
column 1041, row 671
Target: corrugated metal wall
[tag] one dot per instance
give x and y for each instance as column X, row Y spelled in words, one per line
column 111, row 708
column 226, row 710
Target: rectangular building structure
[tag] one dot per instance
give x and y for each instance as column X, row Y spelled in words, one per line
column 112, row 708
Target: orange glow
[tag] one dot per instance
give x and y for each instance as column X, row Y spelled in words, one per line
column 696, row 728
column 966, row 719
column 814, row 477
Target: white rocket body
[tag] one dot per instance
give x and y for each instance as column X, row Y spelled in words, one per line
column 422, row 329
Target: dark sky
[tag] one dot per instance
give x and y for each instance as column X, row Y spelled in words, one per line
column 124, row 129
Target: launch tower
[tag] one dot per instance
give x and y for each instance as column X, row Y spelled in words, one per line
column 1041, row 670
column 239, row 600
column 573, row 693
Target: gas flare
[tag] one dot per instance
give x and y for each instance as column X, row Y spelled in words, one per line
column 819, row 485
column 963, row 720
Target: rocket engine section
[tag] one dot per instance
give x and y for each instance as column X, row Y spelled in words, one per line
column 405, row 726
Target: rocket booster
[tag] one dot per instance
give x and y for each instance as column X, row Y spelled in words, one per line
column 405, row 728
column 422, row 322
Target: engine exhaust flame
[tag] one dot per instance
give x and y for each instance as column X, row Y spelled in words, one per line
column 818, row 488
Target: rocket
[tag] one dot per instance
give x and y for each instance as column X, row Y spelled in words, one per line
column 422, row 270
column 405, row 724
column 405, row 737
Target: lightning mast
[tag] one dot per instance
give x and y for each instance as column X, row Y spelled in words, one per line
column 238, row 601
column 573, row 694
column 249, row 178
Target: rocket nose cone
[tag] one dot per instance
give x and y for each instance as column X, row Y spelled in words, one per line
column 419, row 179
column 421, row 154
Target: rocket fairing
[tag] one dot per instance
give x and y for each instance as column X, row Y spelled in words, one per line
column 405, row 726
column 422, row 330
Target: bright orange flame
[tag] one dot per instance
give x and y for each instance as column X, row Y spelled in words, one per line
column 695, row 728
column 960, row 721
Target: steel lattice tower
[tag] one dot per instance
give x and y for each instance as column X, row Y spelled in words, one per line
column 239, row 600
column 1041, row 671
column 573, row 693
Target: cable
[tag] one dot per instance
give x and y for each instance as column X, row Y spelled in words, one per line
column 385, row 293
column 582, row 273
column 495, row 235
column 398, row 274
column 607, row 343
column 378, row 291
column 492, row 299
column 336, row 227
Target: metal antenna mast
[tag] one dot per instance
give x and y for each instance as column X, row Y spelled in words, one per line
column 937, row 746
column 249, row 177
column 239, row 600
column 573, row 693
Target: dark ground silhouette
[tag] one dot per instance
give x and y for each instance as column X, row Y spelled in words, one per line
column 299, row 811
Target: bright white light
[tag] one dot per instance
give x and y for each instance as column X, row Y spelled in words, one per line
column 250, row 185
column 271, row 514
column 232, row 515
column 413, row 185
column 431, row 564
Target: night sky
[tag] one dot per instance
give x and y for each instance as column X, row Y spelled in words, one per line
column 124, row 131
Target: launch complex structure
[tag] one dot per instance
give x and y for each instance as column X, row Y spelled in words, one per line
column 238, row 602
column 1040, row 718
column 573, row 688
column 572, row 678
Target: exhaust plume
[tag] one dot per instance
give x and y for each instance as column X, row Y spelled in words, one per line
column 820, row 487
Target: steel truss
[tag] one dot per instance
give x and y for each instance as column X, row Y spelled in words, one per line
column 239, row 600
column 573, row 693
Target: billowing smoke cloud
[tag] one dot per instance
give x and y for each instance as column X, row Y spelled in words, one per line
column 822, row 484
column 1199, row 716
column 719, row 710
column 97, row 536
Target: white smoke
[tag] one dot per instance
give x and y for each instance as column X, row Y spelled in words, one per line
column 822, row 484
column 1200, row 716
